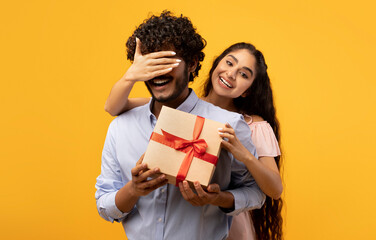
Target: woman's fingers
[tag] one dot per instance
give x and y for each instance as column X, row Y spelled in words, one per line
column 227, row 129
column 226, row 145
column 162, row 67
column 149, row 66
column 155, row 58
column 164, row 61
column 138, row 48
column 161, row 54
column 152, row 71
column 229, row 136
column 159, row 73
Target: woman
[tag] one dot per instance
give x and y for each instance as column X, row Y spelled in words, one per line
column 238, row 81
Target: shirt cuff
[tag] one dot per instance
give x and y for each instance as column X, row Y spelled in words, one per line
column 108, row 209
column 245, row 199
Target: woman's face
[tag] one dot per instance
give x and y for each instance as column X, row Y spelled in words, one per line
column 234, row 74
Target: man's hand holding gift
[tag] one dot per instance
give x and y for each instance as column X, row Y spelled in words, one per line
column 140, row 184
column 213, row 195
column 128, row 195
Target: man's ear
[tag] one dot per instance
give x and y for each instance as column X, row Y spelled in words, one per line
column 193, row 65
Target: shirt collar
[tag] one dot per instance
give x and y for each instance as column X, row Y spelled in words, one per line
column 148, row 110
column 189, row 103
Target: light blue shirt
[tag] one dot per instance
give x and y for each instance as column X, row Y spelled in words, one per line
column 164, row 213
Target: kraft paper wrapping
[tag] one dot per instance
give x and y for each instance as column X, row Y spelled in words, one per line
column 181, row 124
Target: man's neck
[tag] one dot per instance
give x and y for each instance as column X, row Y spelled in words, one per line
column 219, row 101
column 157, row 106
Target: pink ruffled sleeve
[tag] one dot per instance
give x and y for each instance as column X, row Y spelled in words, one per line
column 264, row 139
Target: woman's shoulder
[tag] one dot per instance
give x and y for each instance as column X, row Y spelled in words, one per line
column 263, row 137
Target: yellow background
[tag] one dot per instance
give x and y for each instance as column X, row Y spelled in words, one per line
column 59, row 60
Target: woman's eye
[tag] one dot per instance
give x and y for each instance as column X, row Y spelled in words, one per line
column 244, row 75
column 229, row 63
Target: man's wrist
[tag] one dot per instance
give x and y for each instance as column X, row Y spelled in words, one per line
column 224, row 200
column 131, row 191
column 126, row 197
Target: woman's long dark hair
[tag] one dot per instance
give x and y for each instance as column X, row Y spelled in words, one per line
column 267, row 221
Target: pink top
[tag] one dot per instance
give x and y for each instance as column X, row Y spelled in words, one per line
column 264, row 139
column 266, row 146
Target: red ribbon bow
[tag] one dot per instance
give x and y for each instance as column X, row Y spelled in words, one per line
column 193, row 148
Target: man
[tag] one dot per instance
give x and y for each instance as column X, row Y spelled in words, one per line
column 150, row 208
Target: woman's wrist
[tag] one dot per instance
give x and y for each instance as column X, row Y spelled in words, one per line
column 249, row 159
column 128, row 77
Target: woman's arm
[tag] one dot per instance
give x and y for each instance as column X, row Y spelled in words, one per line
column 144, row 68
column 118, row 101
column 264, row 170
column 266, row 174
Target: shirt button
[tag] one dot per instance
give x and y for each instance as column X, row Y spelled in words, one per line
column 159, row 219
column 163, row 190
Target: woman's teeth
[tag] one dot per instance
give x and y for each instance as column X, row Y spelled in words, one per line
column 225, row 82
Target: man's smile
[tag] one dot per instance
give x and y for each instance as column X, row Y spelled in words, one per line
column 160, row 81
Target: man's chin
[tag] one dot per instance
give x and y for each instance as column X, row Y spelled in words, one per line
column 162, row 99
column 158, row 96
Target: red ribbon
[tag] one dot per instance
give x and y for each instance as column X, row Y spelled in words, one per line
column 193, row 148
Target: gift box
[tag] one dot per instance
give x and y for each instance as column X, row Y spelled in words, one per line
column 184, row 147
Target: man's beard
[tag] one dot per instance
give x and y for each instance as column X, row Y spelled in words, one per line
column 180, row 85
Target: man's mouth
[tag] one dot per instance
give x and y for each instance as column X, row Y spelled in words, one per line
column 160, row 81
column 227, row 84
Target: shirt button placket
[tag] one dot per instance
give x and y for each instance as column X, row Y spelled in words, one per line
column 161, row 200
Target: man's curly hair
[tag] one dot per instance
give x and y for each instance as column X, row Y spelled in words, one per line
column 168, row 32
